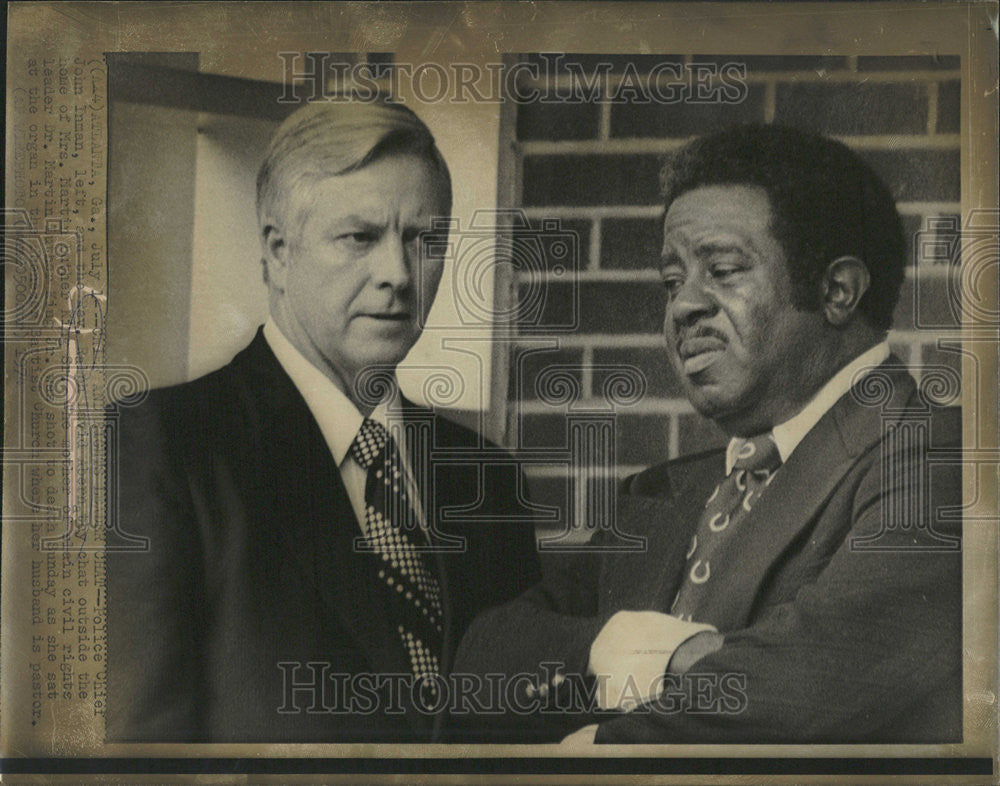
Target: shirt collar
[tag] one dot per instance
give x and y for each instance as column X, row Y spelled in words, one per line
column 789, row 434
column 338, row 418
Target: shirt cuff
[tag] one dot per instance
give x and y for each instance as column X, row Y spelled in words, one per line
column 630, row 655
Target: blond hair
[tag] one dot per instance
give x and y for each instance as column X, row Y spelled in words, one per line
column 335, row 137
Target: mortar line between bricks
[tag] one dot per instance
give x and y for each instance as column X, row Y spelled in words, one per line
column 584, row 212
column 920, row 208
column 659, row 145
column 925, row 336
column 915, row 361
column 931, row 270
column 770, row 100
column 594, row 251
column 604, row 120
column 567, row 81
column 587, row 371
column 932, row 107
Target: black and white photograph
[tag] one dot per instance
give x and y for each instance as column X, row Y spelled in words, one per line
column 561, row 389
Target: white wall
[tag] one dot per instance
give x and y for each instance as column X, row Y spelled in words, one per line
column 228, row 295
column 151, row 207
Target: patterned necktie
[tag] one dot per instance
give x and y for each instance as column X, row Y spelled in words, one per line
column 412, row 590
column 756, row 462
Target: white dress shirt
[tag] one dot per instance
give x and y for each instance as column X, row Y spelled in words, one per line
column 339, row 420
column 789, row 434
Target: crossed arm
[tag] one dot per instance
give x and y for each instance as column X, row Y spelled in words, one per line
column 864, row 638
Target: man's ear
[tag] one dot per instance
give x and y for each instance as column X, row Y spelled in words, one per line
column 276, row 255
column 845, row 281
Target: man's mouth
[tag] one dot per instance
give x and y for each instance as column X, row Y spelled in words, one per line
column 389, row 316
column 700, row 352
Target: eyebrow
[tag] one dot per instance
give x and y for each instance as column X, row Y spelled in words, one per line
column 354, row 220
column 702, row 250
column 671, row 257
column 362, row 220
column 716, row 246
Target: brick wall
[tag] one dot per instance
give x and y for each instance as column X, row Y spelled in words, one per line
column 594, row 165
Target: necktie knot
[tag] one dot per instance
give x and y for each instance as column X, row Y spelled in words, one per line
column 369, row 443
column 757, row 454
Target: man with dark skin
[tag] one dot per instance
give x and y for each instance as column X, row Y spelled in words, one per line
column 797, row 586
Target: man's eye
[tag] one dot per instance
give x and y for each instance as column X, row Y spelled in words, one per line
column 358, row 238
column 672, row 285
column 725, row 270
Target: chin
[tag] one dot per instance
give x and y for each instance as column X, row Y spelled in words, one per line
column 708, row 409
column 710, row 406
column 702, row 397
column 381, row 356
column 382, row 361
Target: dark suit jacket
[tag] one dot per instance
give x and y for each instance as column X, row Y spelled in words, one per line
column 251, row 570
column 833, row 632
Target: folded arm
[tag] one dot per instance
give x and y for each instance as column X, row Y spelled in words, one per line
column 876, row 633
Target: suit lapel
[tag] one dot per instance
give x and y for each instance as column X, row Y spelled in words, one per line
column 667, row 521
column 313, row 515
column 795, row 496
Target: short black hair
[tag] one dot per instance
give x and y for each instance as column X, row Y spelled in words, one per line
column 826, row 202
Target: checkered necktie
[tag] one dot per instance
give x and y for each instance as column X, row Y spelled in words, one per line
column 756, row 462
column 413, row 592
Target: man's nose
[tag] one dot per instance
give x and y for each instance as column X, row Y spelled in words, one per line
column 690, row 303
column 391, row 264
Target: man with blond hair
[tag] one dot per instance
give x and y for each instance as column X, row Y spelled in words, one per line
column 309, row 567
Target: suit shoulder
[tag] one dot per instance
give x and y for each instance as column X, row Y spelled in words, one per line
column 452, row 433
column 176, row 412
column 933, row 427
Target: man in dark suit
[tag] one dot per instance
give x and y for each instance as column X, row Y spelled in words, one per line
column 315, row 544
column 804, row 584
